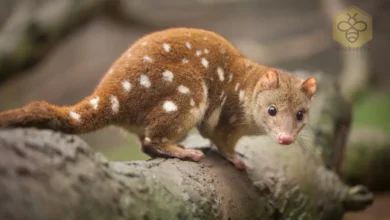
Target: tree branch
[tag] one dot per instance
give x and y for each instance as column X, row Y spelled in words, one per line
column 56, row 176
column 33, row 28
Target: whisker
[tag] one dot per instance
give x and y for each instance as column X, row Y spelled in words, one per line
column 311, row 126
column 305, row 144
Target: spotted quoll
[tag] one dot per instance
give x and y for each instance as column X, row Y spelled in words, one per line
column 172, row 80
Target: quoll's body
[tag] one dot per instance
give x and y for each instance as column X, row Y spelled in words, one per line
column 173, row 80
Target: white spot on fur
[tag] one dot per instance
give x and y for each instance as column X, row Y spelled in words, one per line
column 183, row 89
column 110, row 71
column 145, row 81
column 129, row 55
column 144, row 43
column 147, row 140
column 198, row 52
column 241, row 95
column 206, row 51
column 212, row 121
column 198, row 113
column 169, row 106
column 230, row 77
column 205, row 63
column 179, row 129
column 236, row 88
column 247, row 63
column 202, row 109
column 148, row 59
column 188, row 45
column 164, row 140
column 126, row 85
column 205, row 92
column 114, row 104
column 94, row 102
column 223, row 101
column 232, row 119
column 167, row 76
column 74, row 115
column 192, row 102
column 184, row 60
column 222, row 94
column 166, row 47
column 220, row 74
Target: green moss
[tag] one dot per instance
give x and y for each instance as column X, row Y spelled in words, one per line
column 357, row 163
column 373, row 109
column 128, row 152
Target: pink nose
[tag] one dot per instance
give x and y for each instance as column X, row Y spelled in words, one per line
column 284, row 139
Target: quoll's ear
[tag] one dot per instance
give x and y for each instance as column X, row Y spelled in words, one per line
column 309, row 86
column 269, row 80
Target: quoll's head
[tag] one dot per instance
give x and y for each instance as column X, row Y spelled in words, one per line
column 282, row 104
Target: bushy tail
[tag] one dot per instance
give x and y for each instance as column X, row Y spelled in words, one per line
column 83, row 117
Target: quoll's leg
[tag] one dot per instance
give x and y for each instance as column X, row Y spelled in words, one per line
column 166, row 129
column 226, row 147
column 158, row 149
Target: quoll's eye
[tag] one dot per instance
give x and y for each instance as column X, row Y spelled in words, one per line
column 300, row 115
column 272, row 111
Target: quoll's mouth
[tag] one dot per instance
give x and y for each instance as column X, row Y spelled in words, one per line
column 285, row 143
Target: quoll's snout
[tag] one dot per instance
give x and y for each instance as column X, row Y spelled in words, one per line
column 285, row 139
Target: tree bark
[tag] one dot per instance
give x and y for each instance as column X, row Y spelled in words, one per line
column 48, row 175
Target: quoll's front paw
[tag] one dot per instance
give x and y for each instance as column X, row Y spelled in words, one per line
column 238, row 163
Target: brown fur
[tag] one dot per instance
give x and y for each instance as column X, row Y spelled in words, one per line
column 141, row 109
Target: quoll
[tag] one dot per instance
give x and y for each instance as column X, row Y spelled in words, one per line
column 172, row 80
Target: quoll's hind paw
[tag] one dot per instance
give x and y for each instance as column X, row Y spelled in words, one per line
column 172, row 151
column 194, row 155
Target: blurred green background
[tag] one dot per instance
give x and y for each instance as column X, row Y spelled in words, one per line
column 373, row 109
